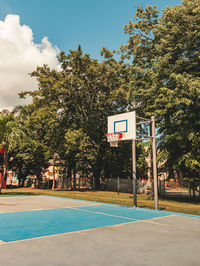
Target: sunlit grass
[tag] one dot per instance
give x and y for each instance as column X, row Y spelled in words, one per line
column 144, row 201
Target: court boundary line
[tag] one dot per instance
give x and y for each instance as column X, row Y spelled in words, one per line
column 67, row 233
column 106, row 214
column 57, row 208
column 80, row 231
column 85, row 230
column 137, row 208
column 131, row 220
column 103, row 203
column 169, row 225
column 78, row 208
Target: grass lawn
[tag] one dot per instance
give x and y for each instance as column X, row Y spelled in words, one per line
column 145, row 201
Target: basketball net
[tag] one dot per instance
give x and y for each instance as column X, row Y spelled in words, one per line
column 113, row 138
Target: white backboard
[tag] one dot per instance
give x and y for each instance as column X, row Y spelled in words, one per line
column 123, row 123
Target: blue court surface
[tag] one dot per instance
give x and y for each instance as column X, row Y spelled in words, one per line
column 21, row 225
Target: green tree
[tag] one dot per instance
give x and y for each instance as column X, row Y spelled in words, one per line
column 165, row 79
column 11, row 131
column 29, row 158
column 31, row 155
column 94, row 92
column 81, row 153
column 77, row 98
column 69, row 113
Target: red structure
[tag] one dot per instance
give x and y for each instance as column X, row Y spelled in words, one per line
column 1, row 176
column 2, row 150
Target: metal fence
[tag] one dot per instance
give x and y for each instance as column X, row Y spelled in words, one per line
column 185, row 188
column 165, row 187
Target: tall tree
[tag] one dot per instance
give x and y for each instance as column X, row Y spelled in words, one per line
column 11, row 131
column 165, row 79
column 78, row 99
column 92, row 92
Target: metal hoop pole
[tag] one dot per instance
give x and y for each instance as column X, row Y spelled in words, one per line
column 134, row 174
column 155, row 176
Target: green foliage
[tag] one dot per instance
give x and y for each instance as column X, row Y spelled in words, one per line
column 80, row 150
column 11, row 130
column 29, row 157
column 70, row 107
column 166, row 81
column 157, row 74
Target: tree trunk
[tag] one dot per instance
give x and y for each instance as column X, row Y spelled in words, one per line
column 69, row 177
column 92, row 182
column 37, row 181
column 189, row 188
column 19, row 178
column 5, row 169
column 97, row 173
column 3, row 179
column 193, row 190
column 180, row 178
column 64, row 177
column 74, row 177
column 54, row 178
column 79, row 182
column 23, row 179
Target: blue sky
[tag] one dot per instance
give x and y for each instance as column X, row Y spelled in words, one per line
column 67, row 23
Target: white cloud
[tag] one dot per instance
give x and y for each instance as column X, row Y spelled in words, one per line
column 20, row 55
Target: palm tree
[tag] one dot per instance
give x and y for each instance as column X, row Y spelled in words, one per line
column 11, row 131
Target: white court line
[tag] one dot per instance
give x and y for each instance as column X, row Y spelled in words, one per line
column 40, row 209
column 138, row 208
column 87, row 230
column 171, row 225
column 78, row 232
column 133, row 219
column 68, row 233
column 156, row 218
column 78, row 209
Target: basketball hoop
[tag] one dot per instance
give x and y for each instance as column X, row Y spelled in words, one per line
column 113, row 138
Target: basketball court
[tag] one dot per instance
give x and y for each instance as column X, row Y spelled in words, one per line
column 42, row 230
